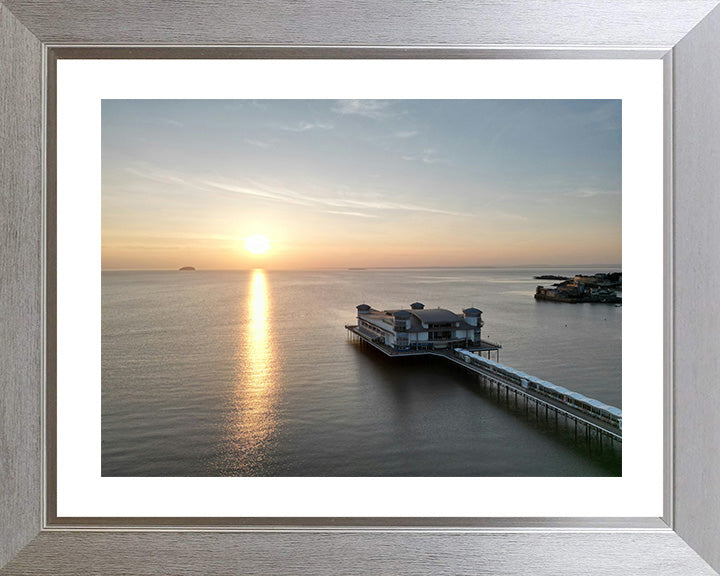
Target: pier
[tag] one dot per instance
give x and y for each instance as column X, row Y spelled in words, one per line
column 587, row 419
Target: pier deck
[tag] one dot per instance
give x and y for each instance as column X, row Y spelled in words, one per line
column 372, row 339
column 591, row 424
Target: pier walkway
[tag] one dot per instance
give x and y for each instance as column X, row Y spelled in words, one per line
column 592, row 428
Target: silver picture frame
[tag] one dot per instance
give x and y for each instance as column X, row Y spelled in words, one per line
column 685, row 34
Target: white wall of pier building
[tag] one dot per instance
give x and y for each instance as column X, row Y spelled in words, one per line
column 417, row 328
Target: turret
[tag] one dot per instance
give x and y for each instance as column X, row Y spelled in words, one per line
column 363, row 309
column 401, row 320
column 473, row 316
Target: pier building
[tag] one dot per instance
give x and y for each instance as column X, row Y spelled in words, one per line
column 418, row 328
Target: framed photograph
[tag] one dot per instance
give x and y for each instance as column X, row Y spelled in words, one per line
column 359, row 301
column 277, row 400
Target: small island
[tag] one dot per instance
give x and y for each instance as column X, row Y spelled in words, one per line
column 187, row 268
column 599, row 288
column 550, row 277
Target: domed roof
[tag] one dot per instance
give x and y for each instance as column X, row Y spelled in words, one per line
column 472, row 312
column 363, row 307
column 402, row 314
column 417, row 305
column 438, row 315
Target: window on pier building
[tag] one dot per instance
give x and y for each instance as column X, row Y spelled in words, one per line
column 440, row 335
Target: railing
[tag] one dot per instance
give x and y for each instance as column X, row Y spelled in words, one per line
column 601, row 426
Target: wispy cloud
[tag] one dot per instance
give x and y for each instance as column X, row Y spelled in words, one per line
column 242, row 105
column 502, row 215
column 304, row 126
column 258, row 191
column 605, row 116
column 368, row 108
column 379, row 205
column 406, row 133
column 356, row 214
column 427, row 156
column 264, row 144
column 145, row 235
column 156, row 175
column 170, row 122
column 366, row 205
column 288, row 196
column 591, row 193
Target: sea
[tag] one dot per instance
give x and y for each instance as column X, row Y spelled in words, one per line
column 252, row 373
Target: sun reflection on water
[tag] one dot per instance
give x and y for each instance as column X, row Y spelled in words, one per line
column 252, row 421
column 258, row 351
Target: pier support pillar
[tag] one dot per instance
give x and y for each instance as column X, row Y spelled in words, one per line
column 589, row 438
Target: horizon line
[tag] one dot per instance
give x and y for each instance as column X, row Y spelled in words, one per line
column 360, row 268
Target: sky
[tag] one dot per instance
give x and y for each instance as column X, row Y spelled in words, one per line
column 360, row 183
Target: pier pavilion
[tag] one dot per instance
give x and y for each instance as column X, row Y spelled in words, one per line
column 420, row 329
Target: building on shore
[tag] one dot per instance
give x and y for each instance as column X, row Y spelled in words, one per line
column 583, row 288
column 577, row 291
column 419, row 329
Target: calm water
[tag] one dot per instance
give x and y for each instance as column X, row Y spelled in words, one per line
column 251, row 373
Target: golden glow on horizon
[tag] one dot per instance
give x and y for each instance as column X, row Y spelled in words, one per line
column 257, row 244
column 295, row 244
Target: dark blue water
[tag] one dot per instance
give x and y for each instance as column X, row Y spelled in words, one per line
column 213, row 373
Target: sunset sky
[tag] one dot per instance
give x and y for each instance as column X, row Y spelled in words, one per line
column 288, row 184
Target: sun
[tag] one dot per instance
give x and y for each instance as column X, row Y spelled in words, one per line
column 257, row 244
